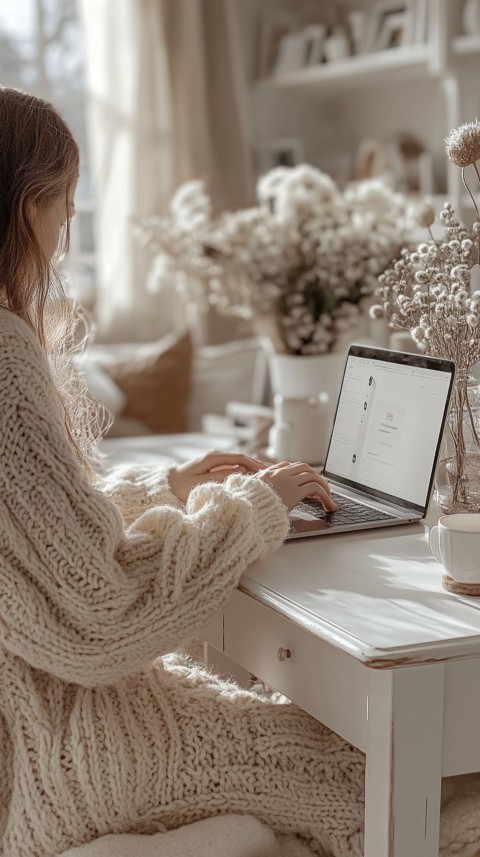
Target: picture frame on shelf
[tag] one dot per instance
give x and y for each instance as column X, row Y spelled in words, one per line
column 403, row 161
column 290, row 54
column 392, row 32
column 274, row 26
column 412, row 163
column 278, row 152
column 390, row 24
column 370, row 160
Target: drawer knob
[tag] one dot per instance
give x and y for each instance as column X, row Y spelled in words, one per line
column 283, row 654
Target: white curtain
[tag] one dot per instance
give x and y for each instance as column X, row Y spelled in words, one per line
column 165, row 104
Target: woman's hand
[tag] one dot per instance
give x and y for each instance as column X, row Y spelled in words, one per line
column 214, row 466
column 295, row 482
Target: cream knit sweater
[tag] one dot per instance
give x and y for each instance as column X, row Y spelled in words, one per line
column 94, row 737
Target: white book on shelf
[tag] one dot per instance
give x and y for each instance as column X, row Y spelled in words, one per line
column 291, row 54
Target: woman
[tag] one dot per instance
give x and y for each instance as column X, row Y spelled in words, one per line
column 98, row 580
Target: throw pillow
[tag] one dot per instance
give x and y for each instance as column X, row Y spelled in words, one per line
column 155, row 378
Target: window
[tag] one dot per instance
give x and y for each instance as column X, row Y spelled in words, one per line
column 41, row 52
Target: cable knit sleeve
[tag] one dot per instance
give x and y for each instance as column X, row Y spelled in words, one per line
column 82, row 597
column 136, row 488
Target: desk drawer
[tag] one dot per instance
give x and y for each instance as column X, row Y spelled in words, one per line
column 329, row 684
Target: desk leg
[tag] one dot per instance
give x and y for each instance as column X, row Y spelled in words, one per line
column 404, row 761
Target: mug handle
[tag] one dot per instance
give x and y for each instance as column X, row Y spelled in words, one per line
column 434, row 543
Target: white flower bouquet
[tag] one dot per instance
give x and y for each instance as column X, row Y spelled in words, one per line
column 307, row 255
column 428, row 291
column 431, row 292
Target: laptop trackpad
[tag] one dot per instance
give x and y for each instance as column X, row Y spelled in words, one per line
column 302, row 522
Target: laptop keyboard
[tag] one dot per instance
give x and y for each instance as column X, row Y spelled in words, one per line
column 348, row 511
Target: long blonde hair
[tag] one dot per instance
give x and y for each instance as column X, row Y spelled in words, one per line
column 39, row 162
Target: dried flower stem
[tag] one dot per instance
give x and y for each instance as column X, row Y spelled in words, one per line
column 475, row 167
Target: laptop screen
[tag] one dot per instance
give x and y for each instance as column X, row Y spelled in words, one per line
column 389, row 423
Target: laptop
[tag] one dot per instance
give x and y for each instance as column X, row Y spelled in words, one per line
column 384, row 444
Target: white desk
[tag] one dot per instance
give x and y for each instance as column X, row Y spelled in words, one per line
column 381, row 654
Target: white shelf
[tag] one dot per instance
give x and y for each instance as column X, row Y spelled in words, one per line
column 444, row 67
column 407, row 62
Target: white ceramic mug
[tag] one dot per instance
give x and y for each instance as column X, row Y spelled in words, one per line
column 455, row 542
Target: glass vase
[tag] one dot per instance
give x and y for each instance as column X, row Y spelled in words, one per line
column 457, row 478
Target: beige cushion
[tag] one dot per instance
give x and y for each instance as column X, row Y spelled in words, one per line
column 155, row 379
